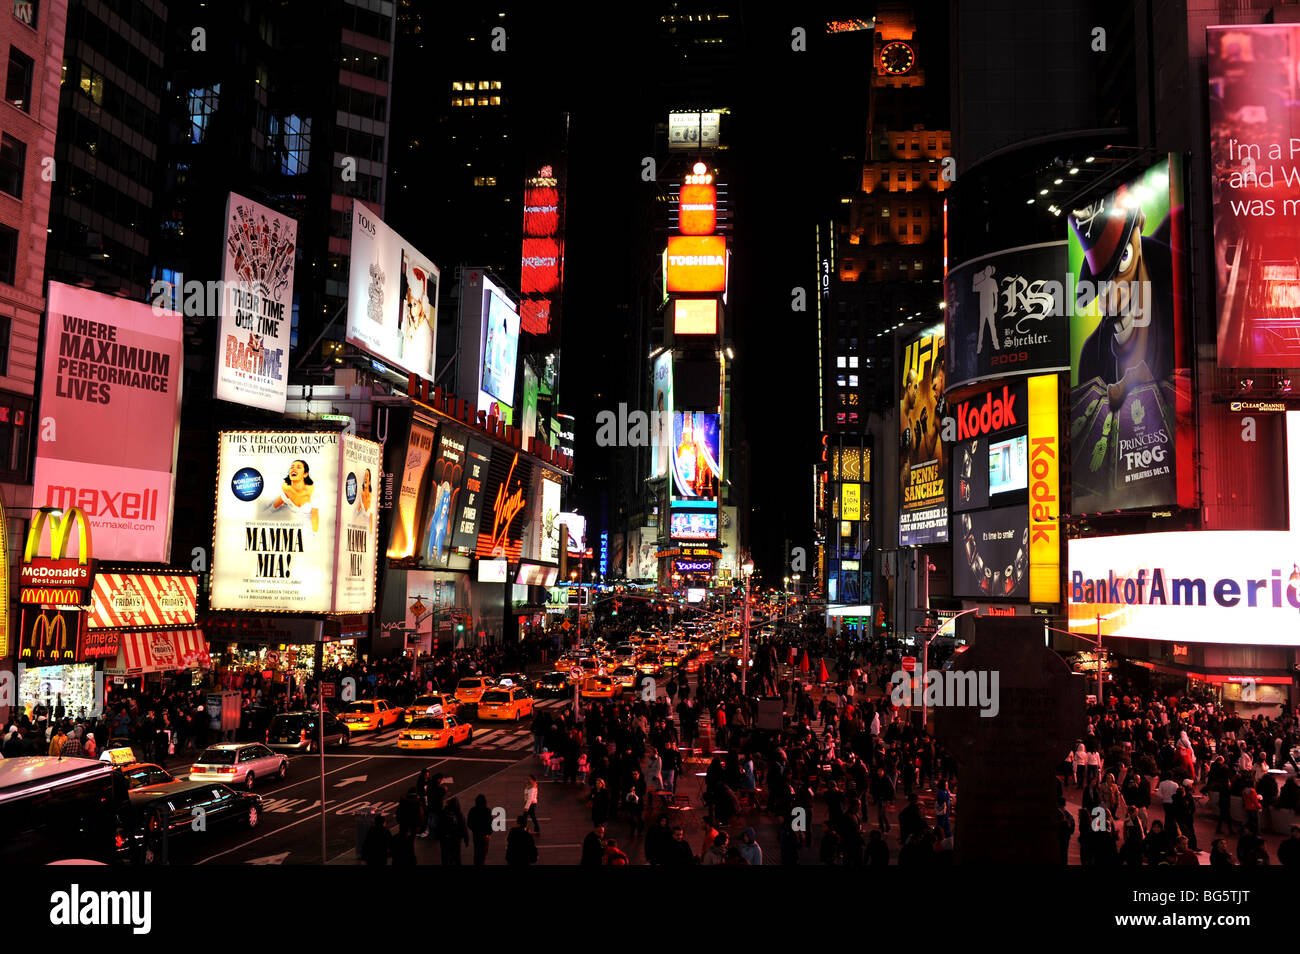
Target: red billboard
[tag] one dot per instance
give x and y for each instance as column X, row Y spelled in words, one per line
column 1254, row 82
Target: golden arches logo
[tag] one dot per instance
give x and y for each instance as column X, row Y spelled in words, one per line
column 49, row 638
column 60, row 530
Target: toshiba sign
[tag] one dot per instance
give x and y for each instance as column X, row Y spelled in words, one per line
column 696, row 263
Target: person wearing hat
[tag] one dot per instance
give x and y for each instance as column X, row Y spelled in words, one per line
column 1132, row 275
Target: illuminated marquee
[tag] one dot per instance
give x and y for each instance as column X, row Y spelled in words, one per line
column 695, row 316
column 1044, row 491
column 697, row 264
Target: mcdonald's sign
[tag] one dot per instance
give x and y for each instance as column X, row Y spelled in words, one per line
column 50, row 635
column 58, row 569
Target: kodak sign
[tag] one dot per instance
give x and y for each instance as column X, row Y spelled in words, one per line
column 997, row 412
column 1044, row 491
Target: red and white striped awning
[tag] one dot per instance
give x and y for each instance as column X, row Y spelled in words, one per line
column 160, row 652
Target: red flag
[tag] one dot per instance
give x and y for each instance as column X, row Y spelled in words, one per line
column 822, row 674
column 803, row 663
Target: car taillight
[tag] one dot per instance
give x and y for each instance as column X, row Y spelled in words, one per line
column 303, row 736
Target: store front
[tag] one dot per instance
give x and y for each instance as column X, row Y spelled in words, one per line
column 70, row 686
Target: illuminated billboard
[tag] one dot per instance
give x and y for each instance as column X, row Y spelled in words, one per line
column 697, row 264
column 1211, row 586
column 500, row 351
column 137, row 600
column 696, row 455
column 446, row 484
column 661, row 442
column 1006, row 314
column 1130, row 398
column 392, row 296
column 404, row 535
column 697, row 207
column 542, row 261
column 923, row 491
column 698, row 130
column 256, row 319
column 295, row 522
column 1255, row 180
column 994, row 559
column 693, row 525
column 577, row 525
column 110, row 418
column 549, row 519
column 505, row 506
column 464, row 532
column 695, row 316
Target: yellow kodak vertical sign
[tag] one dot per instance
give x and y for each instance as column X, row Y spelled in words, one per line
column 1044, row 491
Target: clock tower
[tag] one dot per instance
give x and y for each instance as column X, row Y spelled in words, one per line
column 895, row 62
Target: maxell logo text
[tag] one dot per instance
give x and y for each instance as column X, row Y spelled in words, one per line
column 934, row 688
column 102, row 908
column 993, row 415
column 106, row 503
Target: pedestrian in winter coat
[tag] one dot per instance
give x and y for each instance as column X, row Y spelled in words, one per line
column 521, row 849
column 593, row 846
column 749, row 849
column 452, row 832
column 479, row 823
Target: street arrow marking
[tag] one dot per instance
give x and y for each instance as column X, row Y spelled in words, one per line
column 349, row 781
column 269, row 859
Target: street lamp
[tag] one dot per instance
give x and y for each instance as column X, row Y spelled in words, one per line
column 1101, row 685
column 748, row 569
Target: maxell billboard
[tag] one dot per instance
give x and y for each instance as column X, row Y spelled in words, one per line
column 110, row 414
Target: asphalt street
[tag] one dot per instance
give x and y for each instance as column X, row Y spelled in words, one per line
column 369, row 773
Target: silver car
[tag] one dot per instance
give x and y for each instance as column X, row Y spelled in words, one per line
column 238, row 763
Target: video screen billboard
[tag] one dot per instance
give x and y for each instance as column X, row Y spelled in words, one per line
column 295, row 522
column 661, row 442
column 478, row 456
column 1130, row 395
column 695, row 316
column 446, row 483
column 696, row 457
column 505, row 507
column 1007, row 314
column 694, row 525
column 392, row 296
column 993, row 559
column 577, row 525
column 411, row 496
column 253, row 334
column 971, row 478
column 110, row 417
column 549, row 519
column 1254, row 82
column 500, row 351
column 697, row 264
column 923, row 491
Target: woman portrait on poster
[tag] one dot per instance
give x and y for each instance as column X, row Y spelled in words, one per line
column 296, row 493
column 366, row 497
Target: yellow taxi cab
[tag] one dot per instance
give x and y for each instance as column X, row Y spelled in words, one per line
column 600, row 687
column 374, row 714
column 434, row 704
column 434, row 732
column 471, row 688
column 501, row 702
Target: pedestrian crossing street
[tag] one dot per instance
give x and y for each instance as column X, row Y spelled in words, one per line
column 512, row 737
